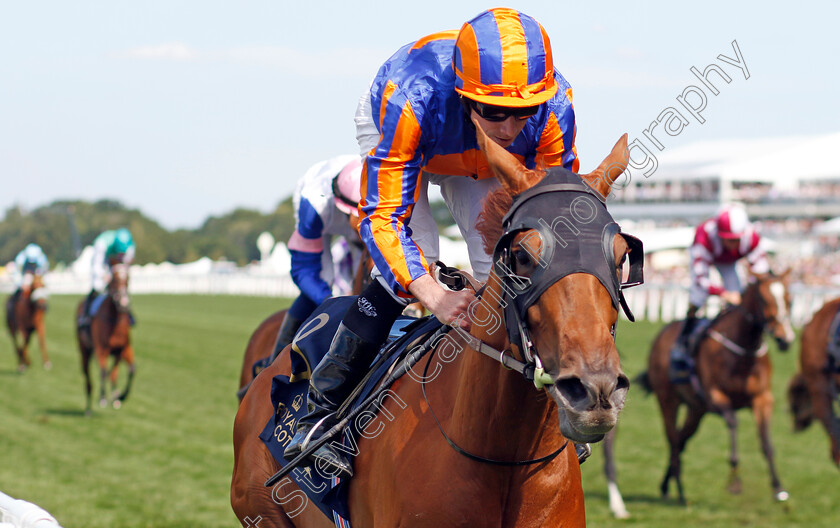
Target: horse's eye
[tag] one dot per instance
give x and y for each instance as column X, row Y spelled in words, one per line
column 522, row 257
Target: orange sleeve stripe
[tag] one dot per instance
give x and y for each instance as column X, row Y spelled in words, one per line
column 389, row 235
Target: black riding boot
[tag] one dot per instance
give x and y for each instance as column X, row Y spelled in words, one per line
column 680, row 365
column 331, row 383
column 84, row 319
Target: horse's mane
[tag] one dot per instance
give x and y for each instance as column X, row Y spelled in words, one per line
column 489, row 223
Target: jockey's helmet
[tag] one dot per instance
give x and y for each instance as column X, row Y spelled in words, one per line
column 732, row 221
column 32, row 252
column 503, row 58
column 122, row 241
column 347, row 187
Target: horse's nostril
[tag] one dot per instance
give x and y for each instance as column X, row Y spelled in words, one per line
column 571, row 388
column 623, row 383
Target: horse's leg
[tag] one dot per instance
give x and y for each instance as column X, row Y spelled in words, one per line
column 823, row 393
column 128, row 356
column 24, row 350
column 763, row 410
column 731, row 420
column 616, row 501
column 102, row 358
column 86, row 353
column 720, row 403
column 18, row 352
column 112, row 378
column 669, row 405
column 690, row 425
column 40, row 328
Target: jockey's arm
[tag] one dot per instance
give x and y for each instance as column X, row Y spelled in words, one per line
column 306, row 274
column 306, row 246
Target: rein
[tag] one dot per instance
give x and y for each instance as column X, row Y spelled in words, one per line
column 737, row 349
column 473, row 456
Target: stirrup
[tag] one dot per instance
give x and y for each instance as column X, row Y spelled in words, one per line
column 308, row 438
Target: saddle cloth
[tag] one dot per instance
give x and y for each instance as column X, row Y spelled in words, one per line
column 289, row 397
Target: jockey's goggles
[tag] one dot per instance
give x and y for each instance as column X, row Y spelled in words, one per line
column 500, row 113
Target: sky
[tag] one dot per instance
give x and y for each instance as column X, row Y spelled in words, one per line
column 190, row 108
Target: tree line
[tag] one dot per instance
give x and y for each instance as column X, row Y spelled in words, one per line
column 63, row 228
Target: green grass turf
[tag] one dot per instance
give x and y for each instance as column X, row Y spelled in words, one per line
column 165, row 458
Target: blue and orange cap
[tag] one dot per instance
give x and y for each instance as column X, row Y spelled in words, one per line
column 503, row 57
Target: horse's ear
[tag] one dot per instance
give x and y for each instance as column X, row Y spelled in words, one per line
column 512, row 174
column 602, row 178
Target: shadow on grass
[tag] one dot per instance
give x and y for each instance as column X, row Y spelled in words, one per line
column 639, row 499
column 65, row 412
column 10, row 372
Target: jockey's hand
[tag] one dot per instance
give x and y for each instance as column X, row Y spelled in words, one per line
column 449, row 307
column 731, row 297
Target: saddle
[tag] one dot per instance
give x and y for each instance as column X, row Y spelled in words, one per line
column 289, row 395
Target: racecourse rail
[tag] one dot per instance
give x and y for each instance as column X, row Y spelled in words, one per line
column 653, row 302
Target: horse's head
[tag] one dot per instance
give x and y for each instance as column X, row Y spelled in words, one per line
column 559, row 256
column 772, row 306
column 118, row 286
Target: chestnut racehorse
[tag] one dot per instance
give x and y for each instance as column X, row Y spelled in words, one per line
column 814, row 391
column 25, row 314
column 733, row 372
column 408, row 475
column 108, row 336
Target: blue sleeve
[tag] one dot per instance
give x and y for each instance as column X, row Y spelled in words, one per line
column 306, row 274
column 310, row 224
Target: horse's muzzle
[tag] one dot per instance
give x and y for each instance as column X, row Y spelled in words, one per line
column 587, row 410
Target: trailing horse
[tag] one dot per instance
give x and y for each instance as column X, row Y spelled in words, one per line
column 549, row 308
column 733, row 371
column 25, row 311
column 814, row 391
column 108, row 336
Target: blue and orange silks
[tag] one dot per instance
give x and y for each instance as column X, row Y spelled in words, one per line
column 423, row 127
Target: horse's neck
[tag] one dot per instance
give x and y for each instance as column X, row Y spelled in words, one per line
column 492, row 399
column 743, row 320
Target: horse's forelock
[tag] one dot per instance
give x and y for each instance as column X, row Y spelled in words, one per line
column 489, row 224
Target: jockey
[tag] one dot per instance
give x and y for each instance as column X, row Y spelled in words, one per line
column 30, row 261
column 720, row 242
column 109, row 248
column 415, row 126
column 325, row 198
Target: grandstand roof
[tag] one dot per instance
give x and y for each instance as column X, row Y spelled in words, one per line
column 781, row 161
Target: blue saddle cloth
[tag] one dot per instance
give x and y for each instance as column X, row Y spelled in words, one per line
column 289, row 396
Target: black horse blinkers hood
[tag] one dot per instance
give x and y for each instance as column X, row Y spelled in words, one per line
column 572, row 221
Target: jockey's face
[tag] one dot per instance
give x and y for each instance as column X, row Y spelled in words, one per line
column 730, row 244
column 502, row 132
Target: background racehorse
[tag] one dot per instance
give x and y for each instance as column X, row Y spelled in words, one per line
column 733, row 372
column 483, row 407
column 108, row 336
column 814, row 391
column 25, row 314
